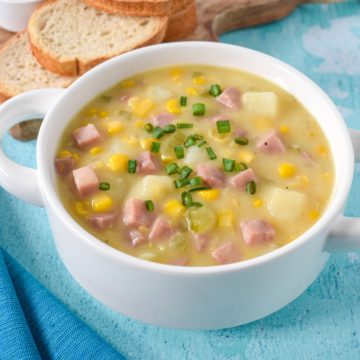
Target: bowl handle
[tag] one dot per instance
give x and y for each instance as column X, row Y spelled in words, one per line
column 345, row 235
column 19, row 180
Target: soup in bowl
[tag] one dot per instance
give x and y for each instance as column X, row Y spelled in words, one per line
column 274, row 164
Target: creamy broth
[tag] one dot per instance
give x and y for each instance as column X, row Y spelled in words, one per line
column 274, row 183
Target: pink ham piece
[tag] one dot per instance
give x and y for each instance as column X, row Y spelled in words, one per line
column 200, row 242
column 230, row 97
column 257, row 232
column 226, row 253
column 240, row 180
column 136, row 238
column 147, row 164
column 64, row 166
column 160, row 229
column 212, row 175
column 162, row 119
column 271, row 144
column 86, row 136
column 135, row 213
column 103, row 221
column 85, row 180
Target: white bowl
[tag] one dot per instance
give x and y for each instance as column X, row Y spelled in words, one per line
column 174, row 296
column 14, row 14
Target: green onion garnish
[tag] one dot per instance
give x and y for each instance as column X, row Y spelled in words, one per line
column 200, row 188
column 104, row 186
column 215, row 90
column 197, row 137
column 185, row 172
column 186, row 198
column 190, row 141
column 212, row 155
column 132, row 166
column 228, row 165
column 241, row 166
column 149, row 205
column 172, row 168
column 201, row 143
column 242, row 140
column 223, row 126
column 169, row 129
column 179, row 151
column 181, row 183
column 183, row 100
column 148, row 127
column 251, row 187
column 196, row 204
column 198, row 109
column 196, row 181
column 158, row 132
column 155, row 146
column 184, row 125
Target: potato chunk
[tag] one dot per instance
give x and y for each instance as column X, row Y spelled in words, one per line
column 152, row 187
column 262, row 103
column 195, row 156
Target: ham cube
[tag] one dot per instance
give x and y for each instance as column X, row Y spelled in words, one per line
column 257, row 232
column 160, row 229
column 103, row 221
column 226, row 253
column 271, row 144
column 64, row 166
column 135, row 213
column 86, row 136
column 230, row 97
column 162, row 119
column 147, row 163
column 240, row 180
column 85, row 180
column 137, row 238
column 210, row 174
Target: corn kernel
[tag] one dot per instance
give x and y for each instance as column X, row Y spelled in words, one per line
column 140, row 107
column 127, row 83
column 284, row 129
column 139, row 124
column 314, row 214
column 101, row 203
column 199, row 80
column 118, row 162
column 176, row 74
column 287, row 170
column 114, row 127
column 173, row 106
column 103, row 114
column 226, row 219
column 192, row 91
column 80, row 208
column 166, row 158
column 96, row 150
column 322, row 150
column 263, row 123
column 257, row 203
column 209, row 195
column 64, row 154
column 92, row 111
column 174, row 208
column 245, row 155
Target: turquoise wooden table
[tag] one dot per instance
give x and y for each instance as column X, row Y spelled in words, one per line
column 323, row 41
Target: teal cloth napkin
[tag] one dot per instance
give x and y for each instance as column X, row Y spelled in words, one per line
column 35, row 325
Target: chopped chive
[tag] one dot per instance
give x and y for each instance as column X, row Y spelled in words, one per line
column 215, row 90
column 184, row 125
column 196, row 204
column 242, row 140
column 212, row 155
column 197, row 137
column 200, row 188
column 158, row 132
column 196, row 181
column 155, row 146
column 201, row 143
column 185, row 172
column 104, row 186
column 183, row 100
column 172, row 168
column 181, row 183
column 179, row 152
column 228, row 165
column 241, row 166
column 223, row 126
column 132, row 166
column 186, row 198
column 148, row 127
column 251, row 187
column 198, row 109
column 169, row 129
column 190, row 141
column 149, row 205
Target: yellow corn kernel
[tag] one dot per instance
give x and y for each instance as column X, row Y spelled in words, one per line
column 245, row 155
column 263, row 123
column 257, row 203
column 166, row 158
column 92, row 111
column 287, row 170
column 209, row 195
column 141, row 107
column 192, row 91
column 101, row 203
column 322, row 150
column 284, row 129
column 314, row 214
column 226, row 219
column 118, row 162
column 96, row 150
column 199, row 80
column 174, row 208
column 176, row 74
column 173, row 106
column 114, row 127
column 127, row 83
column 80, row 208
column 98, row 165
column 64, row 154
column 103, row 114
column 140, row 124
column 146, row 143
column 304, row 180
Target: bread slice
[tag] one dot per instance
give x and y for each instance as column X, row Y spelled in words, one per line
column 179, row 5
column 133, row 7
column 21, row 72
column 68, row 37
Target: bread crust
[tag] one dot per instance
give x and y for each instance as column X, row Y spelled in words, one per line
column 179, row 5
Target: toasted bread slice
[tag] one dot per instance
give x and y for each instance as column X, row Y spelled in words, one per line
column 133, row 7
column 68, row 37
column 21, row 72
column 179, row 5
